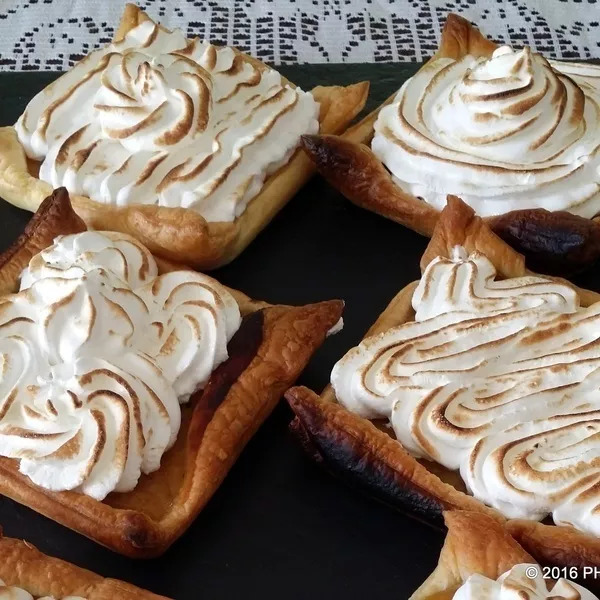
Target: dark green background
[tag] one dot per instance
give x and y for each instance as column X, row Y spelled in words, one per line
column 279, row 527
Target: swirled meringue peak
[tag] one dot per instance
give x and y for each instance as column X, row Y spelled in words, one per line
column 96, row 352
column 497, row 379
column 522, row 581
column 11, row 592
column 512, row 131
column 159, row 119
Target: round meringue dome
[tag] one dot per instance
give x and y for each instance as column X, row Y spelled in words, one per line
column 518, row 583
column 96, row 352
column 513, row 131
column 158, row 119
column 495, row 379
column 11, row 592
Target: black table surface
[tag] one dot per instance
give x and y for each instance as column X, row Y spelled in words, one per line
column 279, row 526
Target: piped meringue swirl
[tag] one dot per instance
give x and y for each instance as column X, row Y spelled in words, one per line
column 158, row 119
column 465, row 286
column 96, row 352
column 513, row 131
column 11, row 592
column 520, row 583
column 497, row 379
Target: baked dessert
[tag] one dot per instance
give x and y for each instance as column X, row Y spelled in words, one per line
column 189, row 147
column 26, row 573
column 475, row 390
column 480, row 560
column 129, row 387
column 512, row 134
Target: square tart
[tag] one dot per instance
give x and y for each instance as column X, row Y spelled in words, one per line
column 24, row 566
column 181, row 234
column 348, row 164
column 266, row 355
column 365, row 453
column 346, row 161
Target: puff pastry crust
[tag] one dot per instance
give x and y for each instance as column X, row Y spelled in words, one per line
column 555, row 242
column 181, row 234
column 367, row 457
column 271, row 348
column 22, row 565
column 475, row 543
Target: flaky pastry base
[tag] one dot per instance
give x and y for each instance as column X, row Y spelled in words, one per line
column 559, row 242
column 22, row 565
column 181, row 234
column 266, row 355
column 475, row 543
column 369, row 458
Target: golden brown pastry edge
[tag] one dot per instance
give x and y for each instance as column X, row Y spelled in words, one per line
column 22, row 565
column 475, row 543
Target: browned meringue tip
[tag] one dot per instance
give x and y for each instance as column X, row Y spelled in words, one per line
column 55, row 216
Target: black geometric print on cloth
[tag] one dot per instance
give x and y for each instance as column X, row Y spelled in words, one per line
column 54, row 34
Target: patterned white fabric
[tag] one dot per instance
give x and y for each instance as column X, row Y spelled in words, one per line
column 53, row 34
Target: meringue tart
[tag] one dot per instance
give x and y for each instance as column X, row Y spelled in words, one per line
column 512, row 134
column 481, row 561
column 189, row 147
column 26, row 573
column 475, row 390
column 129, row 386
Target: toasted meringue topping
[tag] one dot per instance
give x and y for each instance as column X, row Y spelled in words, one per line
column 11, row 592
column 522, row 582
column 499, row 379
column 158, row 119
column 465, row 286
column 96, row 350
column 512, row 131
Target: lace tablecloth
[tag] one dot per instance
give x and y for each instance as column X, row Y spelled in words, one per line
column 53, row 34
